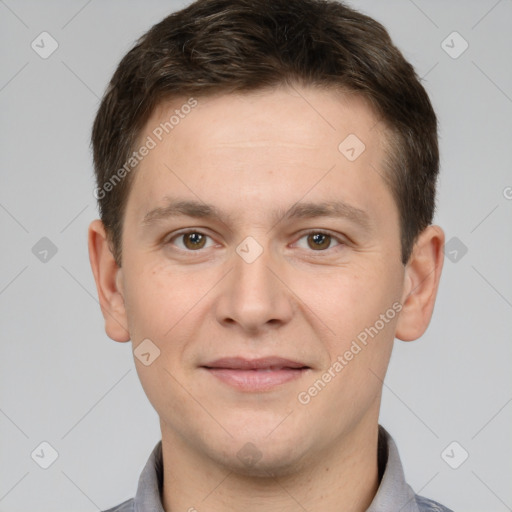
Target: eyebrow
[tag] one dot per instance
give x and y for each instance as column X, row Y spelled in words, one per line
column 196, row 209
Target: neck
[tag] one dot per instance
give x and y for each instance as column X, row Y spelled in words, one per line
column 346, row 478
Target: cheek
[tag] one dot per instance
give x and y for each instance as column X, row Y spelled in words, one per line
column 156, row 298
column 352, row 299
column 160, row 310
column 360, row 308
column 363, row 322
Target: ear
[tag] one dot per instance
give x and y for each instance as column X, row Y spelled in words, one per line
column 422, row 275
column 108, row 277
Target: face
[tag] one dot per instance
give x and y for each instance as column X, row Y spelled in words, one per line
column 230, row 253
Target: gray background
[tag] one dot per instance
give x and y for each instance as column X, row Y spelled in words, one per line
column 65, row 382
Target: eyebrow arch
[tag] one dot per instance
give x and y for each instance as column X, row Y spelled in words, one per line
column 197, row 209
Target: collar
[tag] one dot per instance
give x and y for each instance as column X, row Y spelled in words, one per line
column 393, row 493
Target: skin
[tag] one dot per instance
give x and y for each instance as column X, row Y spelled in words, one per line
column 248, row 154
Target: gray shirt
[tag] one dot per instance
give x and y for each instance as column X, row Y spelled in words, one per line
column 393, row 494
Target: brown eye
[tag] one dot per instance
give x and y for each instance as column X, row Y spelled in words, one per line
column 193, row 240
column 318, row 241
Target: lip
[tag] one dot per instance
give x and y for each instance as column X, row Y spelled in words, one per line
column 240, row 363
column 253, row 375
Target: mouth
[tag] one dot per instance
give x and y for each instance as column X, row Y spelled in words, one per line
column 252, row 375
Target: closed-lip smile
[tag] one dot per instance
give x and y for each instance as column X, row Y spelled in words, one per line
column 252, row 375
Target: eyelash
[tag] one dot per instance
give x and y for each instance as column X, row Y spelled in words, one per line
column 311, row 232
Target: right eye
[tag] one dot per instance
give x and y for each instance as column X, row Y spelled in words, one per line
column 192, row 240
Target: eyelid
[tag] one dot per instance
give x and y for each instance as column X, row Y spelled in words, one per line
column 200, row 231
column 302, row 234
column 333, row 236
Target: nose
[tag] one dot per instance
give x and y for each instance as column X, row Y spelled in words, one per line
column 254, row 295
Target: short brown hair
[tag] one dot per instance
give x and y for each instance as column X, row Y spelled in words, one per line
column 225, row 46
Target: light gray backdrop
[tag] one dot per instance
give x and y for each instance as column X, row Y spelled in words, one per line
column 64, row 382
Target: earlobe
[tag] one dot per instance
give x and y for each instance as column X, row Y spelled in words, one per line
column 421, row 283
column 108, row 278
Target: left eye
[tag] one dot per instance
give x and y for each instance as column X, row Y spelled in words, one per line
column 316, row 240
column 319, row 240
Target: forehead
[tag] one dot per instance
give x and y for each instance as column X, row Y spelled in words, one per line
column 285, row 116
column 286, row 142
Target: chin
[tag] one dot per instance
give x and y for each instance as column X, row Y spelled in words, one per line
column 264, row 468
column 264, row 458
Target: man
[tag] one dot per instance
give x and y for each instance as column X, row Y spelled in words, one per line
column 266, row 178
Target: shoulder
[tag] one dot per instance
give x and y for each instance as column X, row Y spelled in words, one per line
column 426, row 505
column 126, row 506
